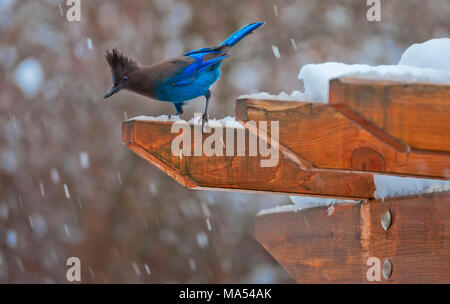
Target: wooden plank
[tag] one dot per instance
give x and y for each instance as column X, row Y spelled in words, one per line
column 152, row 141
column 416, row 114
column 333, row 245
column 332, row 137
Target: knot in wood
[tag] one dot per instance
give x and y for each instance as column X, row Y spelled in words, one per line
column 367, row 159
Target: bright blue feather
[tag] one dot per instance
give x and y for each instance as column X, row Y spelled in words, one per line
column 241, row 33
column 207, row 64
column 196, row 87
column 196, row 78
column 193, row 71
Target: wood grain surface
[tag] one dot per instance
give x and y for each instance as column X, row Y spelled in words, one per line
column 152, row 141
column 333, row 244
column 415, row 113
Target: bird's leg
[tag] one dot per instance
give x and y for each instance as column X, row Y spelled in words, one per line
column 178, row 108
column 205, row 114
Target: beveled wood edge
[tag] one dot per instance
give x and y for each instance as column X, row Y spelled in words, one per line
column 191, row 184
column 163, row 166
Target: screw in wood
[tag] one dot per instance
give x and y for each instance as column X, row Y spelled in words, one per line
column 387, row 269
column 386, row 220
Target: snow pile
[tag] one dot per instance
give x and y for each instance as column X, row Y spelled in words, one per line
column 430, row 54
column 316, row 77
column 391, row 186
column 428, row 62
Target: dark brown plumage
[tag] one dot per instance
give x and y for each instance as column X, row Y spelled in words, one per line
column 120, row 64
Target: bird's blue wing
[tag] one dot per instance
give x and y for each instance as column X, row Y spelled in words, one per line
column 208, row 63
column 198, row 65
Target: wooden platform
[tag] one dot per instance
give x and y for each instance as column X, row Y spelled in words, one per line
column 325, row 149
column 333, row 150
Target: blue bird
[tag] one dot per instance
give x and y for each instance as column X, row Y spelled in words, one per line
column 178, row 79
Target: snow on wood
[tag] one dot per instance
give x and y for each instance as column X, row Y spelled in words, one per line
column 316, row 77
column 304, row 202
column 433, row 54
column 394, row 186
column 421, row 63
column 386, row 186
column 294, row 96
column 229, row 122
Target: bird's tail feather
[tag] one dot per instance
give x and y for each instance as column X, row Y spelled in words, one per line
column 241, row 33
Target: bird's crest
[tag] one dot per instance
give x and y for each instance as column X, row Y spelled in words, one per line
column 119, row 63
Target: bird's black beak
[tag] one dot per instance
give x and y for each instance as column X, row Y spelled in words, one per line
column 112, row 91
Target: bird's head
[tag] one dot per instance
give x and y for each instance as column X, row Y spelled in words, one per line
column 121, row 67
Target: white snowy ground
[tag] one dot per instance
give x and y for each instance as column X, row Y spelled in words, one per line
column 426, row 62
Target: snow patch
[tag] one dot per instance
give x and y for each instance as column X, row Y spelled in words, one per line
column 294, row 96
column 316, row 77
column 280, row 209
column 165, row 118
column 386, row 186
column 433, row 54
column 304, row 202
column 394, row 186
column 421, row 63
column 228, row 121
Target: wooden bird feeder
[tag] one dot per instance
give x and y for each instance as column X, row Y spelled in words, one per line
column 333, row 150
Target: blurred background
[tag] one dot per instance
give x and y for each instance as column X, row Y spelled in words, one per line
column 68, row 187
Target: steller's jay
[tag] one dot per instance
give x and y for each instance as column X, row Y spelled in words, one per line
column 178, row 79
